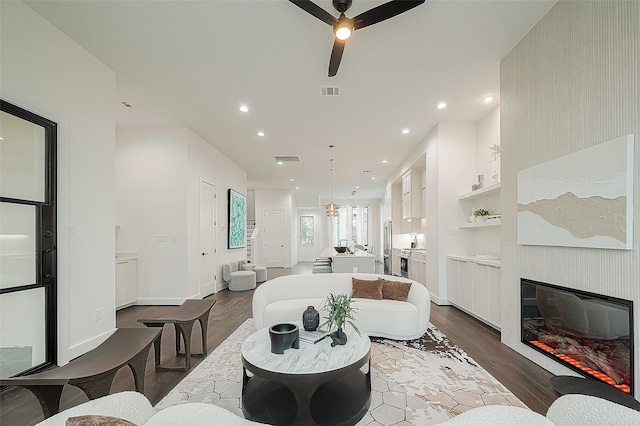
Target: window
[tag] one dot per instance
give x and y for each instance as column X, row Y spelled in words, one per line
column 306, row 230
column 352, row 223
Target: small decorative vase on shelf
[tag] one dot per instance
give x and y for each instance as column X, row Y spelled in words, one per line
column 310, row 319
column 339, row 337
column 472, row 219
column 480, row 219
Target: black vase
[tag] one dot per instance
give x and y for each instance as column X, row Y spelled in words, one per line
column 284, row 336
column 310, row 319
column 339, row 337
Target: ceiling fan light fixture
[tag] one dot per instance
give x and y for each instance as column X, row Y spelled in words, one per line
column 344, row 28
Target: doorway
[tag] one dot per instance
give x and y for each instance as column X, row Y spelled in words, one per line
column 207, row 238
column 28, row 241
column 274, row 238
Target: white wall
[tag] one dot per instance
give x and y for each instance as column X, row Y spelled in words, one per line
column 47, row 73
column 488, row 134
column 151, row 208
column 456, row 174
column 159, row 171
column 208, row 164
column 571, row 83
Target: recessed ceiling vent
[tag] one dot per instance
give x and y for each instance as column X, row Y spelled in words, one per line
column 280, row 159
column 330, row 91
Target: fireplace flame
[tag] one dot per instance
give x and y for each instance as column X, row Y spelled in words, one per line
column 598, row 374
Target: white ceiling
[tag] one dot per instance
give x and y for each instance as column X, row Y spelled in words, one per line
column 192, row 63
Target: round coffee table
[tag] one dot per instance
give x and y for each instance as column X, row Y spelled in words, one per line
column 316, row 384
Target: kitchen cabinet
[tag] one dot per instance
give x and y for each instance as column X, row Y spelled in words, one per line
column 418, row 267
column 474, row 285
column 411, row 195
column 126, row 282
column 395, row 262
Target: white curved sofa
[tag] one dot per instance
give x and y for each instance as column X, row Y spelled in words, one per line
column 284, row 299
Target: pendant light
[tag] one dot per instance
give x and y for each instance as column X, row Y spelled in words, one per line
column 332, row 208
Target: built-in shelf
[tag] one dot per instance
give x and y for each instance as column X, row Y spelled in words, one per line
column 480, row 225
column 474, row 259
column 480, row 192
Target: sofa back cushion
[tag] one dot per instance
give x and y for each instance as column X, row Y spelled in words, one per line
column 367, row 289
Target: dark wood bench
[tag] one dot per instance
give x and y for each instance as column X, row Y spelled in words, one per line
column 183, row 317
column 94, row 371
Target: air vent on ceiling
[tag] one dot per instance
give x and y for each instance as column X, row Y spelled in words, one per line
column 330, row 91
column 287, row 159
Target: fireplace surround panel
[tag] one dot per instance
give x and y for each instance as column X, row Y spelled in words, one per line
column 587, row 332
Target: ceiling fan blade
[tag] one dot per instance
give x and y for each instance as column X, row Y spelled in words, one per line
column 315, row 10
column 336, row 56
column 383, row 12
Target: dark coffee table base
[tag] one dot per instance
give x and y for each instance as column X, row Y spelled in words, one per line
column 343, row 401
column 564, row 385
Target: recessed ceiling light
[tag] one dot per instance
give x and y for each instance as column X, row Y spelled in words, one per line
column 373, row 178
column 297, row 187
column 279, row 163
column 290, row 179
column 357, row 186
column 405, row 131
column 244, row 108
column 441, row 105
column 487, row 99
column 260, row 133
column 385, row 161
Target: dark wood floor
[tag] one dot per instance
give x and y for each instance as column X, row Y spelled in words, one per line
column 529, row 382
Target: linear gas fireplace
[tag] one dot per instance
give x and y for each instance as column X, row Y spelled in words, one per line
column 587, row 332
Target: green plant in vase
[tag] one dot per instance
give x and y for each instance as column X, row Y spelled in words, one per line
column 481, row 214
column 340, row 313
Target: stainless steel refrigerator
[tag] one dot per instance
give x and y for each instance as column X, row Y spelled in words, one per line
column 386, row 244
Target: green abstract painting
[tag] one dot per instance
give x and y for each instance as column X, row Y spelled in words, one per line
column 237, row 219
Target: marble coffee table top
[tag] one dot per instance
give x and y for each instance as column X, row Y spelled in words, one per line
column 310, row 358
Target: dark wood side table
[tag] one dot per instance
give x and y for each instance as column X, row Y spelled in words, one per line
column 564, row 385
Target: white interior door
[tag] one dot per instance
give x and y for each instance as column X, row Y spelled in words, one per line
column 274, row 237
column 207, row 238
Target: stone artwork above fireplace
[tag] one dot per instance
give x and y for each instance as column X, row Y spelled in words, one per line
column 587, row 332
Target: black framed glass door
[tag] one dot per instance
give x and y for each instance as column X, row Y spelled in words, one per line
column 27, row 241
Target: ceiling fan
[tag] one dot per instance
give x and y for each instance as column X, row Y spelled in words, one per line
column 343, row 26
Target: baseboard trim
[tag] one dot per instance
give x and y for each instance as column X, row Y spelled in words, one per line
column 161, row 301
column 440, row 301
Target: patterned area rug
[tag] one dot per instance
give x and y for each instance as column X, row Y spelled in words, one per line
column 418, row 382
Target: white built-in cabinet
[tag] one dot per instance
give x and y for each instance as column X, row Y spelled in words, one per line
column 473, row 275
column 474, row 286
column 418, row 267
column 412, row 194
column 126, row 282
column 395, row 262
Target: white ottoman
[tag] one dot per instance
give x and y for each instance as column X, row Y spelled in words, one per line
column 242, row 280
column 261, row 273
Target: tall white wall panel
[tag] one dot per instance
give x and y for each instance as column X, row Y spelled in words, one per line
column 571, row 83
